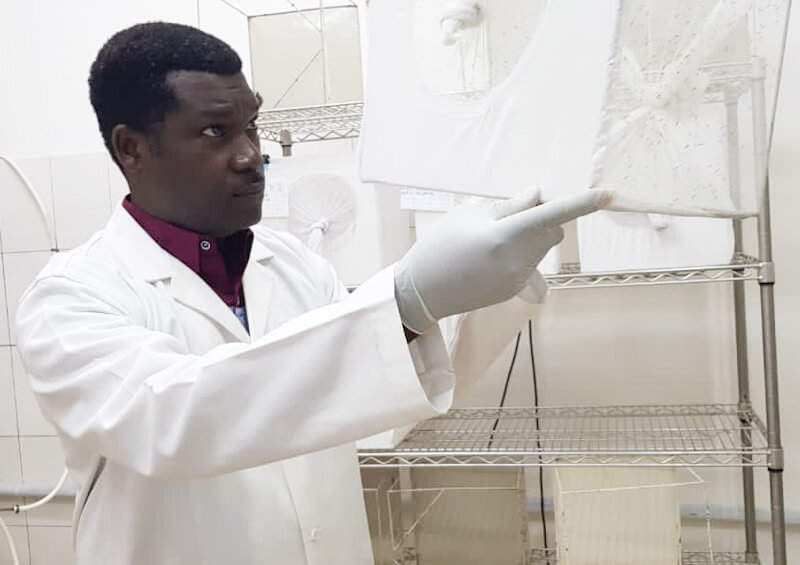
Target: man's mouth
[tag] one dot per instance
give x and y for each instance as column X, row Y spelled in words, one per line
column 253, row 188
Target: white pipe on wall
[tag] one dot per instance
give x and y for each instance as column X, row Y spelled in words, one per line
column 11, row 490
column 35, row 195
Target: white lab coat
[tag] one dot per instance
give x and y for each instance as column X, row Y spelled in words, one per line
column 193, row 442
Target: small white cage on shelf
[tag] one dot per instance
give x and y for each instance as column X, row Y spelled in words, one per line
column 615, row 516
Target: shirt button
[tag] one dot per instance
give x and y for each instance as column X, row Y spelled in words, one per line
column 205, row 245
column 314, row 535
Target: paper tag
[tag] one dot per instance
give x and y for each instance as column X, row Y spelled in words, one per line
column 276, row 198
column 427, row 200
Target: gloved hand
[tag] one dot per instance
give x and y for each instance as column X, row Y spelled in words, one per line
column 483, row 254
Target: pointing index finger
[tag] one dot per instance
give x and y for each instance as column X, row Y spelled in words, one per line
column 557, row 212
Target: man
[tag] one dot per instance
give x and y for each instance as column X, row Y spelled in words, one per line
column 207, row 380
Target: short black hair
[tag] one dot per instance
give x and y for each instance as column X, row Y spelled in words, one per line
column 128, row 79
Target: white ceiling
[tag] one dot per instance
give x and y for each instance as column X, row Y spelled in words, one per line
column 261, row 7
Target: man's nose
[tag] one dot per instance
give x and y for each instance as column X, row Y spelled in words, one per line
column 247, row 155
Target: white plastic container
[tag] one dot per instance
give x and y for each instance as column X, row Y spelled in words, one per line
column 617, row 516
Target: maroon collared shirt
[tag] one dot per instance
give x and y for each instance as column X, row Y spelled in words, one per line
column 220, row 262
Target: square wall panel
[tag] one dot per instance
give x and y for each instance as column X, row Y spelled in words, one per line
column 24, row 225
column 20, row 536
column 20, row 271
column 81, row 196
column 29, row 415
column 42, row 460
column 10, row 465
column 51, row 545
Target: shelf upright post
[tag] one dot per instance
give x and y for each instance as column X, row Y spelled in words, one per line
column 767, row 290
column 740, row 318
column 286, row 141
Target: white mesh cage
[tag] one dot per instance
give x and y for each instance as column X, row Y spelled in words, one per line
column 670, row 102
column 689, row 104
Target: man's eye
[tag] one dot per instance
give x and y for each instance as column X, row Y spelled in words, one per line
column 252, row 125
column 213, row 131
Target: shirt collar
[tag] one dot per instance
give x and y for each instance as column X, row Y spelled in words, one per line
column 220, row 262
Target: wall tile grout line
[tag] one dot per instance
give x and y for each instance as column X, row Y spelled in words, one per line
column 16, row 404
column 28, row 537
column 53, row 199
column 26, row 436
column 5, row 293
column 30, row 251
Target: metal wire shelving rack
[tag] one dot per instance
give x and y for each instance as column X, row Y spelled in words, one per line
column 716, row 435
column 742, row 268
column 549, row 557
column 288, row 126
column 688, row 435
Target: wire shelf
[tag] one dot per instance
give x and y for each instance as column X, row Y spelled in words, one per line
column 310, row 123
column 710, row 435
column 548, row 557
column 742, row 268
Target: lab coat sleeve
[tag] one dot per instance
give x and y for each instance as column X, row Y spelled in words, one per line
column 138, row 398
column 474, row 340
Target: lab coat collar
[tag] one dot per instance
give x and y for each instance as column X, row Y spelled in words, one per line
column 148, row 261
column 257, row 283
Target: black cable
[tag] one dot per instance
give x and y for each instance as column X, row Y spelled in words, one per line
column 505, row 388
column 510, row 370
column 538, row 434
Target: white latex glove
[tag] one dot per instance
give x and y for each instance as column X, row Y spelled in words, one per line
column 483, row 254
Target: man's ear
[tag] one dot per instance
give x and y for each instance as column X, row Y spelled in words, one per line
column 130, row 147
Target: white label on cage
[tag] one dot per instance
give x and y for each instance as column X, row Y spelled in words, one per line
column 427, row 200
column 276, row 198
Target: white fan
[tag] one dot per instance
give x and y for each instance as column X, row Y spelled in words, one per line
column 322, row 211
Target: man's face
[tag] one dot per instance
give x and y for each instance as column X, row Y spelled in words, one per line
column 204, row 170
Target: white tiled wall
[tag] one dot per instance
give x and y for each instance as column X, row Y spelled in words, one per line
column 50, row 545
column 20, row 536
column 79, row 193
column 10, row 461
column 42, row 459
column 22, row 225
